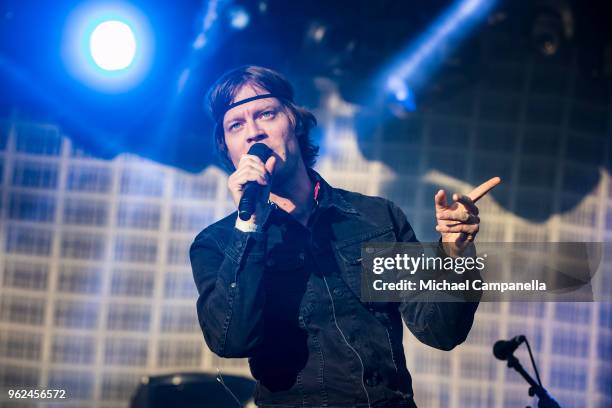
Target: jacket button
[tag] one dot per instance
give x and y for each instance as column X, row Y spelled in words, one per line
column 373, row 380
column 301, row 256
column 239, row 244
column 338, row 292
column 233, row 285
column 270, row 262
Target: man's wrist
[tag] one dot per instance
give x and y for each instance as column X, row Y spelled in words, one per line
column 247, row 226
column 448, row 249
column 257, row 220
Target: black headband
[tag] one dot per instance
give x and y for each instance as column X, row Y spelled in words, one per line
column 243, row 101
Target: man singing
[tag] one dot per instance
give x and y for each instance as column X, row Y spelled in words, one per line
column 282, row 288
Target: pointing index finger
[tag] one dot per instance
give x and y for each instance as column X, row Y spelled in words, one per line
column 483, row 189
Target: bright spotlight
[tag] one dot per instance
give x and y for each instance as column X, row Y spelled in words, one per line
column 400, row 94
column 112, row 45
column 239, row 18
column 108, row 45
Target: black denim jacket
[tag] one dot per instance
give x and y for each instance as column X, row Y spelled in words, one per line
column 288, row 299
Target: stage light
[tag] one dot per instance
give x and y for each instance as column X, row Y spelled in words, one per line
column 316, row 32
column 112, row 45
column 107, row 45
column 552, row 27
column 420, row 59
column 239, row 17
column 400, row 96
column 547, row 33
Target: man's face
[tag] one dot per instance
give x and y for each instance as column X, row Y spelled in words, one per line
column 266, row 121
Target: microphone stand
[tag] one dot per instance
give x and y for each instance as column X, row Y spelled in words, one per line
column 545, row 400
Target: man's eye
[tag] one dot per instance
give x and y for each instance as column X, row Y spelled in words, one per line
column 235, row 126
column 267, row 114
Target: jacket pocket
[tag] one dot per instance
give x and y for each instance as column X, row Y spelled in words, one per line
column 350, row 252
column 350, row 258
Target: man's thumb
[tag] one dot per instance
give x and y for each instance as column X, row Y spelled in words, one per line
column 270, row 164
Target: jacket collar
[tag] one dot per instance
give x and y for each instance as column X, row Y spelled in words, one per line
column 329, row 196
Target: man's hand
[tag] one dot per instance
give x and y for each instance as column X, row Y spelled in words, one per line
column 251, row 168
column 459, row 222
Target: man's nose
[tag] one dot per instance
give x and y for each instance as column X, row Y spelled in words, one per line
column 254, row 132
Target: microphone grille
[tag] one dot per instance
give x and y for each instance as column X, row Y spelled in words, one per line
column 260, row 150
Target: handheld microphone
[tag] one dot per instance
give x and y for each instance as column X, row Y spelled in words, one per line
column 504, row 348
column 252, row 189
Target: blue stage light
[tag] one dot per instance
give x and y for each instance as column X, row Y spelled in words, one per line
column 401, row 94
column 112, row 45
column 108, row 45
column 420, row 59
column 239, row 18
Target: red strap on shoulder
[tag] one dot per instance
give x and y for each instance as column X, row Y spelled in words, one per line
column 316, row 190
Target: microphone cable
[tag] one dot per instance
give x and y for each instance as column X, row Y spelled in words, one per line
column 220, row 381
column 347, row 343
